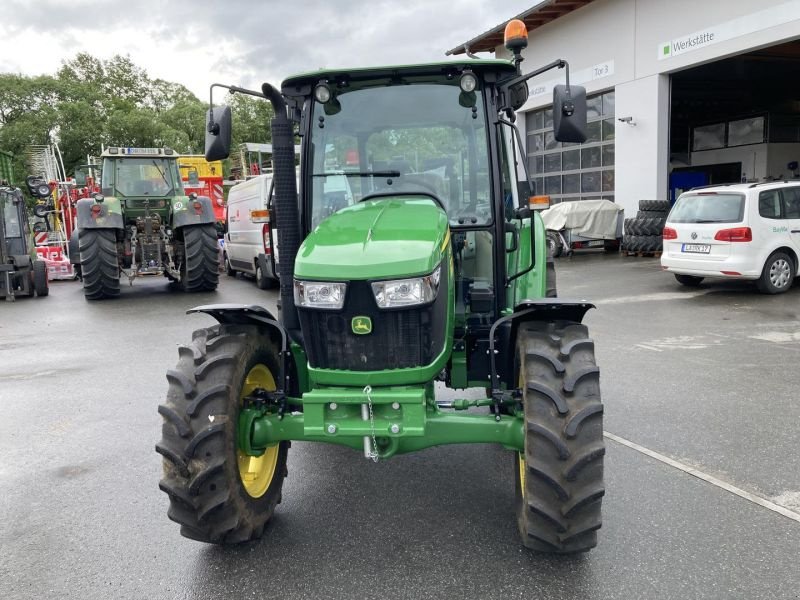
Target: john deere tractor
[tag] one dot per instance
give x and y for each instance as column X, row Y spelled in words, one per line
column 435, row 271
column 143, row 224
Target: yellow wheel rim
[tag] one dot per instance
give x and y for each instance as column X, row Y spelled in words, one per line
column 256, row 472
column 521, row 460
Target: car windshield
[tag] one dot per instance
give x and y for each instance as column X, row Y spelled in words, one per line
column 139, row 177
column 426, row 138
column 708, row 207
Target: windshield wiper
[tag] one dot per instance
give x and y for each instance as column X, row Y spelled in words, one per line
column 160, row 172
column 358, row 174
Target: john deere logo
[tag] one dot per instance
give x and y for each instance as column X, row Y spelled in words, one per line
column 361, row 325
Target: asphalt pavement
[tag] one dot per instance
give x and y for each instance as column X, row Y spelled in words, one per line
column 705, row 377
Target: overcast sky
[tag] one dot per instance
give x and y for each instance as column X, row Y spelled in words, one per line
column 237, row 41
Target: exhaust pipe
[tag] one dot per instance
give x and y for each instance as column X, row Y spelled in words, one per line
column 287, row 215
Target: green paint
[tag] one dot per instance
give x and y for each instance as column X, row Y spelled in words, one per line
column 419, row 423
column 377, row 239
column 533, row 284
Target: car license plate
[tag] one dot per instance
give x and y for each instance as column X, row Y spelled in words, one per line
column 696, row 248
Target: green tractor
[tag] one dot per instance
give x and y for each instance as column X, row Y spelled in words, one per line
column 436, row 271
column 142, row 224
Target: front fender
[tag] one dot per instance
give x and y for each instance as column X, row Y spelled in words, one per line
column 185, row 211
column 109, row 217
column 543, row 309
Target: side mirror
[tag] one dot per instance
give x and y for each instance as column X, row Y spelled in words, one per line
column 569, row 113
column 518, row 95
column 218, row 133
column 80, row 178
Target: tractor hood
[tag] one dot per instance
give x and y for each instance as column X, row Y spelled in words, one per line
column 377, row 239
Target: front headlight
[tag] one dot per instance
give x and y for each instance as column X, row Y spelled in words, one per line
column 407, row 292
column 319, row 294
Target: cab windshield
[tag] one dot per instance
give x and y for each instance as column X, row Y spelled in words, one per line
column 428, row 138
column 140, row 177
column 13, row 227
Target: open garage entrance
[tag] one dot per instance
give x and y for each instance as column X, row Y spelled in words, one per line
column 736, row 119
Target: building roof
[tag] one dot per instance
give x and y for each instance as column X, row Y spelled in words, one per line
column 542, row 13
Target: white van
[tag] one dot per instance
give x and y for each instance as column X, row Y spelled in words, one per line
column 249, row 238
column 741, row 231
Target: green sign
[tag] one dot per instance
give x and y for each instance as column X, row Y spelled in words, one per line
column 361, row 325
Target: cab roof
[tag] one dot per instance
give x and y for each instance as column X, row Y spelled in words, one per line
column 416, row 73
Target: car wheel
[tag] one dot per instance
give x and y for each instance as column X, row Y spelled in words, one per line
column 777, row 275
column 229, row 270
column 554, row 245
column 689, row 280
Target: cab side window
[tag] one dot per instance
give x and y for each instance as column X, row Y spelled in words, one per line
column 769, row 204
column 791, row 203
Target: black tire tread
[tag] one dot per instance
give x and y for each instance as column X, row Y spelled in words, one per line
column 99, row 263
column 560, row 511
column 40, row 282
column 198, row 444
column 200, row 272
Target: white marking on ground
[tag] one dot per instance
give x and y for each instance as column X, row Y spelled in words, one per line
column 779, row 337
column 23, row 376
column 790, row 500
column 763, row 502
column 683, row 342
column 647, row 347
column 649, row 297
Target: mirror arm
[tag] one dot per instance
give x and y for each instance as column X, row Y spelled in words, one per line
column 556, row 64
column 234, row 89
column 522, row 152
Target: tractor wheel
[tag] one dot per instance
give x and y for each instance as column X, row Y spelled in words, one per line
column 229, row 270
column 217, row 493
column 559, row 478
column 554, row 245
column 40, row 283
column 99, row 264
column 199, row 270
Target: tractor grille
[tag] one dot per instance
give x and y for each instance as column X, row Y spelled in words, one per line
column 400, row 339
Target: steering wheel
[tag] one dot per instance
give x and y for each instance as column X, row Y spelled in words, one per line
column 387, row 195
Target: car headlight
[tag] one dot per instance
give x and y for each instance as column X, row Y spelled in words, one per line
column 319, row 294
column 407, row 292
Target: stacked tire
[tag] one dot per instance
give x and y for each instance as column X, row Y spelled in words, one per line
column 644, row 233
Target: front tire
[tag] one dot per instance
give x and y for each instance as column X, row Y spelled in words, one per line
column 40, row 284
column 99, row 263
column 263, row 281
column 229, row 270
column 217, row 493
column 199, row 270
column 777, row 275
column 559, row 477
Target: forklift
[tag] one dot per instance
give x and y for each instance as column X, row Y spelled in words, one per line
column 20, row 275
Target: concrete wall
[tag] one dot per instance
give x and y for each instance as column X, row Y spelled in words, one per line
column 753, row 158
column 615, row 44
column 778, row 156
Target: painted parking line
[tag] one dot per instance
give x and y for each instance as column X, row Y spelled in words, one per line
column 781, row 510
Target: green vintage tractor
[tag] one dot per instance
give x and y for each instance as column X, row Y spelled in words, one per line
column 143, row 224
column 436, row 271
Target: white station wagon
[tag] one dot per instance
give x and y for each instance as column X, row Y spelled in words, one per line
column 741, row 231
